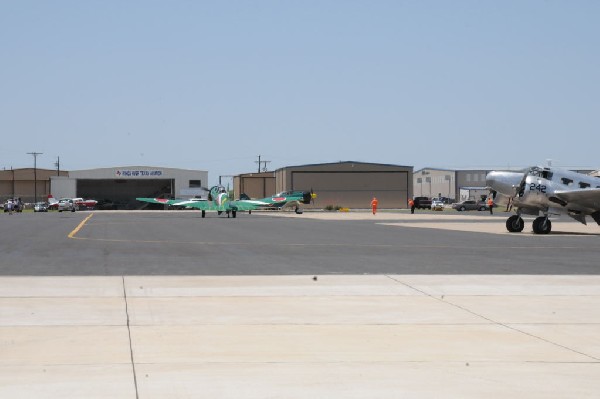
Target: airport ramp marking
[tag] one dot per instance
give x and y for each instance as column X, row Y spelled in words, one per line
column 79, row 227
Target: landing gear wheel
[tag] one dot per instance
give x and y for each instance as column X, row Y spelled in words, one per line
column 298, row 211
column 233, row 214
column 515, row 224
column 542, row 225
column 203, row 214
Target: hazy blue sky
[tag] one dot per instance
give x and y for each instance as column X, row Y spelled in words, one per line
column 211, row 85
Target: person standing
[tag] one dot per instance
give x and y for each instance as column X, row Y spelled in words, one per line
column 509, row 205
column 490, row 203
column 9, row 205
column 411, row 204
column 374, row 203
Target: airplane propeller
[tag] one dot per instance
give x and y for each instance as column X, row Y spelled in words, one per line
column 520, row 189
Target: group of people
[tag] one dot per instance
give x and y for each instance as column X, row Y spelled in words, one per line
column 375, row 203
column 411, row 205
column 14, row 205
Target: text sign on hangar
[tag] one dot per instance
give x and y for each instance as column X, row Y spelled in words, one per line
column 138, row 173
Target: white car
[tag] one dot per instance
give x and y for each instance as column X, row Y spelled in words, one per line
column 66, row 204
column 40, row 207
column 437, row 205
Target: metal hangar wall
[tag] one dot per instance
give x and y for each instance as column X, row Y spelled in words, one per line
column 254, row 185
column 350, row 184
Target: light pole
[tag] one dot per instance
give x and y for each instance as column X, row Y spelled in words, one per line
column 447, row 177
column 35, row 154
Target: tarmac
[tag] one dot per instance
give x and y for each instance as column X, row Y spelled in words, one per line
column 305, row 336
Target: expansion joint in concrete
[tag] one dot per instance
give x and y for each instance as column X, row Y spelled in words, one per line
column 130, row 341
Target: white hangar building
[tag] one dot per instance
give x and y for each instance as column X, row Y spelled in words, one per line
column 121, row 185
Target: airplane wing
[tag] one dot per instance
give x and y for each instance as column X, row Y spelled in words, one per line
column 243, row 206
column 204, row 205
column 213, row 206
column 163, row 201
column 586, row 198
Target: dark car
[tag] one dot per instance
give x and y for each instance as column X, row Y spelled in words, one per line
column 422, row 203
column 470, row 205
column 105, row 204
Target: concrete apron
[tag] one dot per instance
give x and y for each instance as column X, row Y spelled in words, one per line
column 372, row 336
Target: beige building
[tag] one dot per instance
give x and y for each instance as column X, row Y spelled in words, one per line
column 434, row 182
column 349, row 184
column 27, row 183
column 254, row 185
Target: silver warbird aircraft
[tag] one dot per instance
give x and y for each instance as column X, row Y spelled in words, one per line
column 544, row 192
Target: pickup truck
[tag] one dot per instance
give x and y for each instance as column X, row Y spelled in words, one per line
column 422, row 203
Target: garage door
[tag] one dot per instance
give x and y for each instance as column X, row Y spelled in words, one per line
column 123, row 192
column 355, row 189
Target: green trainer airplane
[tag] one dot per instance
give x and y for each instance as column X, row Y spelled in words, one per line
column 218, row 200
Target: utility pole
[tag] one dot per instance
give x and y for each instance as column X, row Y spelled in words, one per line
column 260, row 163
column 57, row 164
column 35, row 154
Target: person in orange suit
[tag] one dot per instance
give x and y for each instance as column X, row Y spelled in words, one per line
column 411, row 205
column 490, row 203
column 374, row 204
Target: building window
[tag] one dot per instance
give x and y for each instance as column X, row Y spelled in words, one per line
column 468, row 177
column 195, row 183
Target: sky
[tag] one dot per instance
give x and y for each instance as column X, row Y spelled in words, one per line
column 211, row 85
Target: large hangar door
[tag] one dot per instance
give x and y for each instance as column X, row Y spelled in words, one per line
column 123, row 192
column 355, row 189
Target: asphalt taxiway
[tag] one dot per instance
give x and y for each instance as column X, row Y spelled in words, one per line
column 167, row 304
column 182, row 243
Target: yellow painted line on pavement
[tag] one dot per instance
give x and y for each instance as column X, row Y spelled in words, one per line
column 76, row 230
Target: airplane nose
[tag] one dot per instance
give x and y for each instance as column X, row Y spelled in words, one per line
column 490, row 179
column 504, row 182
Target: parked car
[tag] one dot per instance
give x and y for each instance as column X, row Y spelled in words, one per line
column 447, row 200
column 105, row 204
column 15, row 205
column 437, row 205
column 66, row 204
column 40, row 207
column 422, row 203
column 470, row 205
